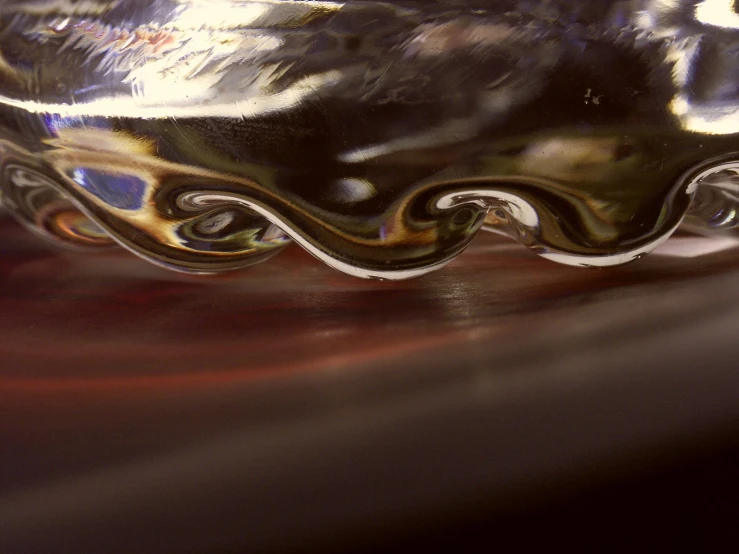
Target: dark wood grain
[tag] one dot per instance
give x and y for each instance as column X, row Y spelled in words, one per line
column 286, row 405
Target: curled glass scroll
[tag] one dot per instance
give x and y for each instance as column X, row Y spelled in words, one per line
column 205, row 135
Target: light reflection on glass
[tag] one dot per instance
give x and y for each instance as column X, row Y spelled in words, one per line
column 204, row 136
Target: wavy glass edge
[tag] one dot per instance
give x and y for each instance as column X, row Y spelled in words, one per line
column 118, row 136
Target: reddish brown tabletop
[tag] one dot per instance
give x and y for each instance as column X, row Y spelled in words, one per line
column 288, row 405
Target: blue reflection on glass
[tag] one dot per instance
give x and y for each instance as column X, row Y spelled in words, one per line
column 125, row 192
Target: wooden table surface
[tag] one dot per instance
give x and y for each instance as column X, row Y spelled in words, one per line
column 287, row 407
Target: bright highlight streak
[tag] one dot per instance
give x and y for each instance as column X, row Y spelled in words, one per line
column 117, row 106
column 718, row 13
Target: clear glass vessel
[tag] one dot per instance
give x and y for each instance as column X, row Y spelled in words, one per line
column 206, row 135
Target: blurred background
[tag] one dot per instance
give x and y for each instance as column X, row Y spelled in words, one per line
column 289, row 408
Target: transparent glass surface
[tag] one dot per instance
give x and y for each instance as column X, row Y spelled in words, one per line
column 379, row 136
